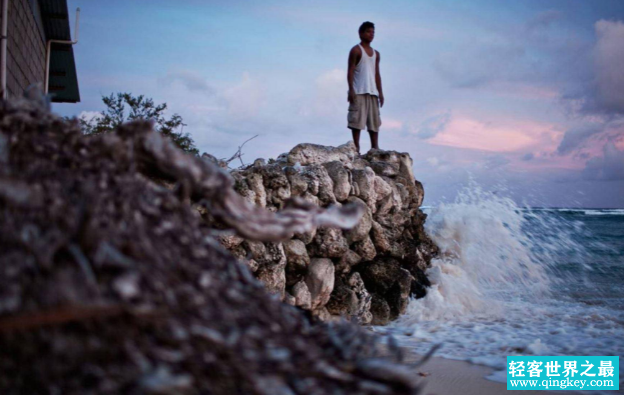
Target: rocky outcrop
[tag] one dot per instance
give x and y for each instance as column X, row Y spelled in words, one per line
column 112, row 284
column 367, row 273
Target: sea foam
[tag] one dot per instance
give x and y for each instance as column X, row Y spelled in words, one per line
column 505, row 284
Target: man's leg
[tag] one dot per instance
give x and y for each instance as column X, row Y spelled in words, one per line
column 374, row 137
column 356, row 139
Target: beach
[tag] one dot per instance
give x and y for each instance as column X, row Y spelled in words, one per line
column 446, row 377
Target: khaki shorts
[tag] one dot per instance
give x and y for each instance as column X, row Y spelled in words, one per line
column 364, row 113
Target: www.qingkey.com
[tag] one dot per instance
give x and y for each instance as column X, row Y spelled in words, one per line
column 563, row 384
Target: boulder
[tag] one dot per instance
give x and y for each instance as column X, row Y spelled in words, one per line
column 389, row 157
column 258, row 251
column 252, row 264
column 296, row 254
column 362, row 229
column 381, row 188
column 380, row 241
column 303, row 297
column 297, row 261
column 242, row 187
column 384, row 168
column 308, row 154
column 347, row 261
column 289, row 299
column 298, row 183
column 341, row 178
column 362, row 311
column 311, row 198
column 230, row 241
column 272, row 269
column 322, row 314
column 329, row 243
column 273, row 277
column 343, row 301
column 365, row 249
column 380, row 311
column 380, row 275
column 320, row 281
column 406, row 177
column 256, row 185
column 386, row 279
column 307, row 237
column 398, row 295
column 275, row 183
column 320, row 184
column 420, row 193
column 364, row 183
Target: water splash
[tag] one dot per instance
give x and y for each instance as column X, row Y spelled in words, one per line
column 516, row 281
column 485, row 254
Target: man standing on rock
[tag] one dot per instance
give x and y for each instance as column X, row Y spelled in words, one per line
column 365, row 93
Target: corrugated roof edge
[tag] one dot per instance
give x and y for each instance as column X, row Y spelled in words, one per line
column 63, row 74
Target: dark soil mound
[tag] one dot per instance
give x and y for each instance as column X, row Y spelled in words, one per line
column 111, row 284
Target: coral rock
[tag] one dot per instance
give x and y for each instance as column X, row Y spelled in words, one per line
column 296, row 253
column 380, row 311
column 302, row 295
column 320, row 281
column 341, row 178
column 329, row 243
column 344, row 301
column 362, row 229
column 272, row 272
column 362, row 312
column 366, row 249
column 388, row 250
column 347, row 261
column 308, row 154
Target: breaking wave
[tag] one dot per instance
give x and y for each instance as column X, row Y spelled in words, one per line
column 515, row 281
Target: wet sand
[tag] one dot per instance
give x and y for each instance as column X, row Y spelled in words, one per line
column 448, row 377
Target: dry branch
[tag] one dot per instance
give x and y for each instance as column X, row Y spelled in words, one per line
column 239, row 153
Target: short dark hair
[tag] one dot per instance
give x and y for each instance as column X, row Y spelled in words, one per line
column 366, row 25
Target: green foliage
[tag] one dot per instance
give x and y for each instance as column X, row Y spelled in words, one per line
column 124, row 107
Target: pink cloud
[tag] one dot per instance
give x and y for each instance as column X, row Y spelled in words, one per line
column 524, row 91
column 392, row 124
column 497, row 136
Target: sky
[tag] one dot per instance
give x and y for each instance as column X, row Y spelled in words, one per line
column 521, row 97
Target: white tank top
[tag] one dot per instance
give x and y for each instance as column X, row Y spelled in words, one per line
column 364, row 77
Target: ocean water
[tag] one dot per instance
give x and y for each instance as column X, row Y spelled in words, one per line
column 519, row 281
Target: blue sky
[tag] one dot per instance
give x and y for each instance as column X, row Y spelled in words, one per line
column 522, row 96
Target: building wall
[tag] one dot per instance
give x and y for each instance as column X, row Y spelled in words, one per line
column 25, row 47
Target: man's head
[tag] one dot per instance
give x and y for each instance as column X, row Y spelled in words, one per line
column 367, row 32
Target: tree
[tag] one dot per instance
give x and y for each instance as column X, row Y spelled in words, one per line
column 124, row 107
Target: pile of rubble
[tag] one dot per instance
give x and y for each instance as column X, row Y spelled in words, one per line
column 112, row 284
column 367, row 273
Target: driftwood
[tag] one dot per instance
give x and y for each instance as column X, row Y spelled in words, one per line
column 111, row 284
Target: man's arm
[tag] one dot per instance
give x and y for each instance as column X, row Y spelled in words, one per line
column 354, row 54
column 378, row 81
